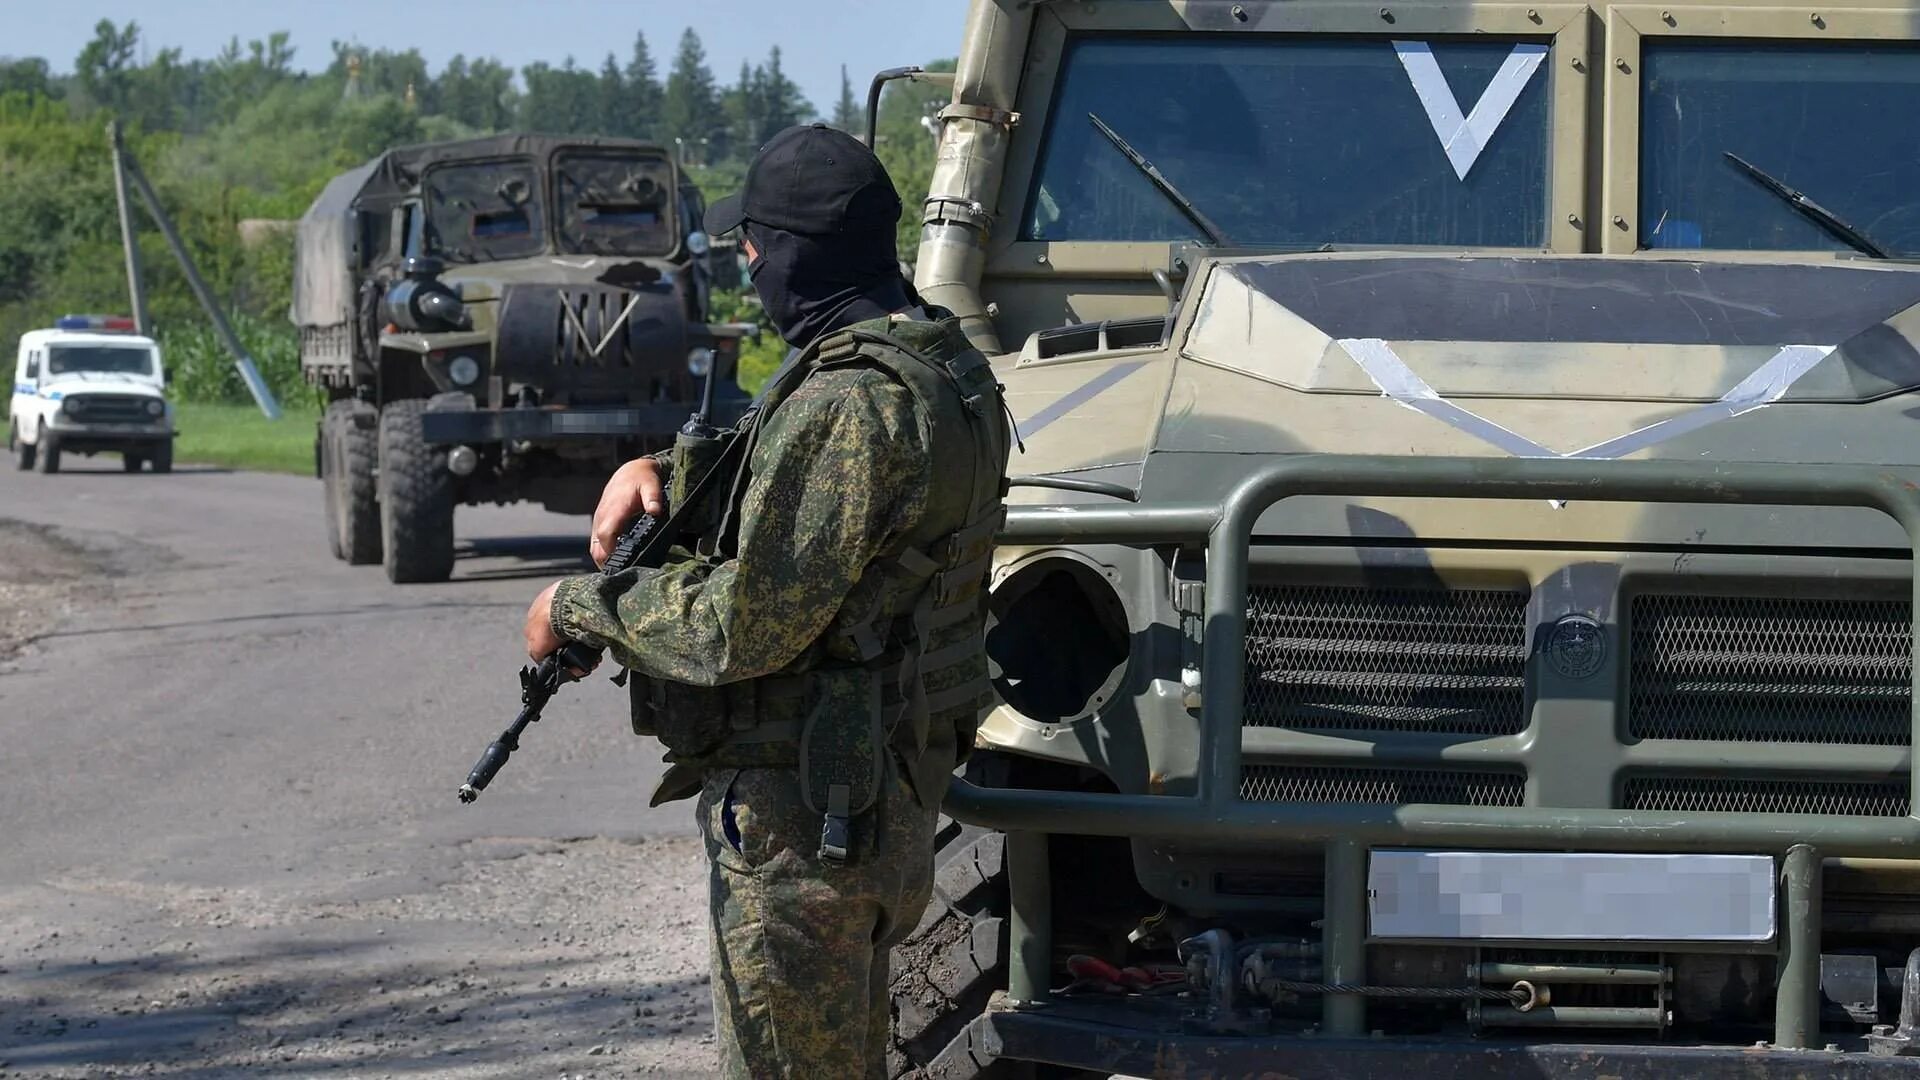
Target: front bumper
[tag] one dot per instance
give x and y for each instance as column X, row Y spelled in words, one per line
column 1077, row 1036
column 83, row 437
column 478, row 426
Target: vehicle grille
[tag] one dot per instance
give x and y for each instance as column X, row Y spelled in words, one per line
column 107, row 409
column 1381, row 787
column 593, row 328
column 1689, row 794
column 1749, row 669
column 1420, row 660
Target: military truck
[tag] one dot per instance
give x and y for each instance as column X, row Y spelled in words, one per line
column 1457, row 619
column 499, row 319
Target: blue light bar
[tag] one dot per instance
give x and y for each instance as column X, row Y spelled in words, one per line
column 108, row 323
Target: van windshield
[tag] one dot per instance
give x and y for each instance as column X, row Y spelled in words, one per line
column 106, row 359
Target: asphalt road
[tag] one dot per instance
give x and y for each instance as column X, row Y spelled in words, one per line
column 229, row 842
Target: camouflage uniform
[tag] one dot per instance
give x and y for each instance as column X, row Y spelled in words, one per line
column 816, row 607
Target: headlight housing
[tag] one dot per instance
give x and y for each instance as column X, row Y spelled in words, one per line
column 463, row 370
column 699, row 362
column 1057, row 639
column 156, row 408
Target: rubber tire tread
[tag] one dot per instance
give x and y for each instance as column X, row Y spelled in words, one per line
column 416, row 499
column 943, row 974
column 351, row 453
column 23, row 451
column 130, row 463
column 49, row 452
column 161, row 459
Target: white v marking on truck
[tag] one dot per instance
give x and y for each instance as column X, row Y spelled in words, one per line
column 1465, row 136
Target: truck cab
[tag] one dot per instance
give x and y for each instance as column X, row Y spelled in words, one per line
column 89, row 385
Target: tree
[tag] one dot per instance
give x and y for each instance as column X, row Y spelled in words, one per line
column 689, row 107
column 846, row 115
column 478, row 95
column 560, row 100
column 104, row 66
column 782, row 105
column 28, row 75
column 642, row 111
column 610, row 100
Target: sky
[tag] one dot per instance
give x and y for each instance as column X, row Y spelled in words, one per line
column 815, row 36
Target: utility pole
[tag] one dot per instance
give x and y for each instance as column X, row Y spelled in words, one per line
column 136, row 291
column 262, row 396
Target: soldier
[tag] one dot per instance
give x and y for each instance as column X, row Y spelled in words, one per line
column 815, row 668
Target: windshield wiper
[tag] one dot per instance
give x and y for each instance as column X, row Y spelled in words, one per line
column 1813, row 211
column 1163, row 185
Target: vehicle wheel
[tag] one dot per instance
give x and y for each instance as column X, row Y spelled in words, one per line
column 161, row 458
column 326, row 465
column 416, row 498
column 130, row 462
column 23, row 451
column 350, row 447
column 956, row 958
column 49, row 452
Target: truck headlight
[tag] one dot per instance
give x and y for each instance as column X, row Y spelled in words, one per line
column 156, row 408
column 463, row 370
column 699, row 362
column 1057, row 639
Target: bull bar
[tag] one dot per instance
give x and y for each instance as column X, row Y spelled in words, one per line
column 1216, row 813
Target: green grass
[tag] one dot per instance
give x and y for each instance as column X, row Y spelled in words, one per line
column 239, row 437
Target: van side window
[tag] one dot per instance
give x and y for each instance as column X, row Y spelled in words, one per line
column 33, row 365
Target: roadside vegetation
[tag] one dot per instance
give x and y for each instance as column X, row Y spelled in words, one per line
column 213, row 136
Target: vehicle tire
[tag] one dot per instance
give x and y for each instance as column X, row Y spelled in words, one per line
column 350, row 448
column 160, row 458
column 49, row 452
column 942, row 975
column 23, row 451
column 130, row 462
column 416, row 498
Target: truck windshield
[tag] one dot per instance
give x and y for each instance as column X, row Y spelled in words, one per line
column 613, row 205
column 484, row 211
column 111, row 359
column 1299, row 141
column 1824, row 119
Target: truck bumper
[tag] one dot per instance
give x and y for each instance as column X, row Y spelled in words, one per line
column 1075, row 1037
column 475, row 426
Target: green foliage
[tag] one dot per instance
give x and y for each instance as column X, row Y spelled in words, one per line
column 905, row 146
column 239, row 437
column 245, row 137
column 758, row 356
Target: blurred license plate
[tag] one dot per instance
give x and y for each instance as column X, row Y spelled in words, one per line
column 1549, row 896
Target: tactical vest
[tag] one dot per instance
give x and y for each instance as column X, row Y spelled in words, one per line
column 904, row 659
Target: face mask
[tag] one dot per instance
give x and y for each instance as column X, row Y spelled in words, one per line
column 814, row 285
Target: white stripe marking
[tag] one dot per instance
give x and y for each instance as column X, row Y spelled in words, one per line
column 1465, row 137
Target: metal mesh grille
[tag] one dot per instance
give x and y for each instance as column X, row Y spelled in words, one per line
column 1689, row 794
column 1323, row 657
column 1457, row 787
column 1750, row 669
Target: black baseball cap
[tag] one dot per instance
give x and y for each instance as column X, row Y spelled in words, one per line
column 815, row 180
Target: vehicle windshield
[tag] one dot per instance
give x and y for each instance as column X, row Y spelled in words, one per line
column 109, row 359
column 1299, row 141
column 611, row 204
column 1833, row 121
column 484, row 211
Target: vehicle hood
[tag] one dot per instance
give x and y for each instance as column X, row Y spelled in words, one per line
column 73, row 385
column 1417, row 355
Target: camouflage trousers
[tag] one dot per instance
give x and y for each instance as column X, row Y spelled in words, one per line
column 800, row 945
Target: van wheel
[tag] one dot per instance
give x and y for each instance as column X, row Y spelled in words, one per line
column 416, row 498
column 130, row 462
column 49, row 451
column 349, row 446
column 23, row 451
column 161, row 458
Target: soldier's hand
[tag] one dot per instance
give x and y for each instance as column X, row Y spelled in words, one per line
column 542, row 642
column 635, row 488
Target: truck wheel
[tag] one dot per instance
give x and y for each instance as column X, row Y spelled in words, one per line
column 23, row 451
column 416, row 498
column 956, row 958
column 350, row 445
column 49, row 452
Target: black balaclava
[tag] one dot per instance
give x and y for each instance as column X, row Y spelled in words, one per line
column 815, row 284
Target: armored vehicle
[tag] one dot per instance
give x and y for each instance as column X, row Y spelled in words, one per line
column 1458, row 617
column 498, row 319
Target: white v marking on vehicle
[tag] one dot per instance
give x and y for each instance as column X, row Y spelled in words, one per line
column 1464, row 136
column 1768, row 384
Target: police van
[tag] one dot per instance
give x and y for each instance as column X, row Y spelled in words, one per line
column 89, row 385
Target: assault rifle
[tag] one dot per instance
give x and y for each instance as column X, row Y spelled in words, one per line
column 645, row 544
